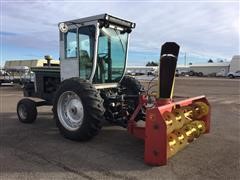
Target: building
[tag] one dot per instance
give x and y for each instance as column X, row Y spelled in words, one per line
column 22, row 67
column 12, row 65
column 218, row 69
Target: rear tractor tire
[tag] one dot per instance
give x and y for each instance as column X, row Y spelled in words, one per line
column 26, row 110
column 78, row 109
column 131, row 86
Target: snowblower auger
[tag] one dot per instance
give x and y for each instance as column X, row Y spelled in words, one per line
column 169, row 126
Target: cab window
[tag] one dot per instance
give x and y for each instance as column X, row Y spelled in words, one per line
column 111, row 55
column 71, row 44
column 86, row 36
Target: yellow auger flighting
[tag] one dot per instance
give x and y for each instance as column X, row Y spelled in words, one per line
column 184, row 124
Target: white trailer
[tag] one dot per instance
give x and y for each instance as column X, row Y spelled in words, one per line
column 235, row 64
column 210, row 68
column 142, row 70
column 234, row 70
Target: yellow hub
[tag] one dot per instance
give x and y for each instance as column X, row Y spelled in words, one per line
column 173, row 145
column 200, row 109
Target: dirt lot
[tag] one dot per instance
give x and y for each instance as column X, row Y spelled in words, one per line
column 37, row 151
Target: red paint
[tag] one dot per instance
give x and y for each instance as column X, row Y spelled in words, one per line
column 155, row 133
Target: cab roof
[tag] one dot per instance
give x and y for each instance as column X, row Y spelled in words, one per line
column 104, row 17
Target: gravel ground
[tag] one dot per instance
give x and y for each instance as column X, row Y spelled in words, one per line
column 37, row 151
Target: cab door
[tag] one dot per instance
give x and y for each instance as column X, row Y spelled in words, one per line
column 69, row 54
column 77, row 52
column 86, row 46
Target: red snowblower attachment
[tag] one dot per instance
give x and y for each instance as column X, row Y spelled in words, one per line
column 169, row 126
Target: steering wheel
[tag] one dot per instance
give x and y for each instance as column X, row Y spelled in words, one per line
column 103, row 55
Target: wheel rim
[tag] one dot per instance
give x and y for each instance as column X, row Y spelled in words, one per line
column 22, row 111
column 70, row 110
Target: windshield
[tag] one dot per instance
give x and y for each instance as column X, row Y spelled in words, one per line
column 111, row 56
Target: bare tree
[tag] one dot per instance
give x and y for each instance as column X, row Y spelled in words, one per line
column 210, row 61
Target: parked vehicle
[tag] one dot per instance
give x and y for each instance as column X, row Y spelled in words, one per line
column 5, row 77
column 235, row 64
column 193, row 73
column 234, row 74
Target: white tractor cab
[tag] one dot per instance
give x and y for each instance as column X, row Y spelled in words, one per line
column 90, row 85
column 95, row 49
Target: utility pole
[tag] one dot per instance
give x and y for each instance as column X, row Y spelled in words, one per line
column 185, row 59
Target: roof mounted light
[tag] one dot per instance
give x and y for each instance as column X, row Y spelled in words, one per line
column 119, row 22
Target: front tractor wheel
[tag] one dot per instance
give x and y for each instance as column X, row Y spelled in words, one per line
column 26, row 110
column 78, row 110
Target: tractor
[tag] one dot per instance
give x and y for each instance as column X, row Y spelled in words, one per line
column 90, row 87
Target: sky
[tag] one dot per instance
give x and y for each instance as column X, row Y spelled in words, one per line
column 204, row 30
